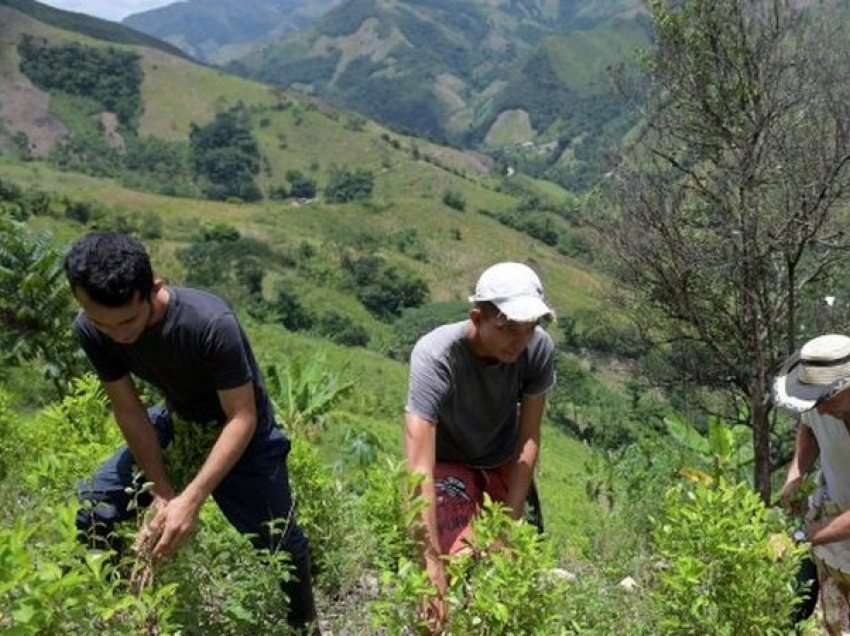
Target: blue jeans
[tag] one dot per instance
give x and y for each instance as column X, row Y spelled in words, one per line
column 254, row 493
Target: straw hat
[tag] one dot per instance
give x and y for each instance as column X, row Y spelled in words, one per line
column 818, row 371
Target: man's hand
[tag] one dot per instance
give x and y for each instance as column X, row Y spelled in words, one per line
column 146, row 538
column 435, row 608
column 173, row 524
column 812, row 530
column 789, row 489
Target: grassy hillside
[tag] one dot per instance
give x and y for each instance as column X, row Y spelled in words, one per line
column 451, row 267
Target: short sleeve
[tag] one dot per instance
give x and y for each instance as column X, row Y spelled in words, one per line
column 225, row 352
column 429, row 384
column 539, row 375
column 107, row 365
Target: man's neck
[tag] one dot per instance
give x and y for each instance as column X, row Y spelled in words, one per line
column 159, row 305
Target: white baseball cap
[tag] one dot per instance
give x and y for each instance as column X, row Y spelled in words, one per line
column 515, row 289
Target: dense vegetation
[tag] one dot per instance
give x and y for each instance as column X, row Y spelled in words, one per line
column 361, row 515
column 110, row 77
column 225, row 157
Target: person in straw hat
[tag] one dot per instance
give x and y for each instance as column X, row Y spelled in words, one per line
column 475, row 401
column 813, row 383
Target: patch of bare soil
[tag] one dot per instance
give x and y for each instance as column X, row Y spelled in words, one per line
column 464, row 159
column 109, row 124
column 23, row 107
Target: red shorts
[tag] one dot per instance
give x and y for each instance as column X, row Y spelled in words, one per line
column 459, row 490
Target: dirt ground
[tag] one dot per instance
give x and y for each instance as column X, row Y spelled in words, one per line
column 23, row 107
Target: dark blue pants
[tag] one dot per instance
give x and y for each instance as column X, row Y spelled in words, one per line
column 254, row 493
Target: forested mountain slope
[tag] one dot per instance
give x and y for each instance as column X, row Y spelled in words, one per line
column 527, row 78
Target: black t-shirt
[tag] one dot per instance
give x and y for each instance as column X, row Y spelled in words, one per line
column 197, row 348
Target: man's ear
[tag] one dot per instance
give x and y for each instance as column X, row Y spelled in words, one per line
column 476, row 316
column 158, row 284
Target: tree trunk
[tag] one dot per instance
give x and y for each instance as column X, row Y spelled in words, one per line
column 760, row 421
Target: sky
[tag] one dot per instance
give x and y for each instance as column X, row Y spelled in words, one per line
column 109, row 9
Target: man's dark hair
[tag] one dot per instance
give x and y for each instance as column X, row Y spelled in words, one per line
column 487, row 308
column 110, row 267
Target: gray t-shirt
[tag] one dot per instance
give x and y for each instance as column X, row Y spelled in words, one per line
column 473, row 402
column 196, row 350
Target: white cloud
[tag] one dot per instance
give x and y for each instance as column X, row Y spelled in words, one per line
column 115, row 10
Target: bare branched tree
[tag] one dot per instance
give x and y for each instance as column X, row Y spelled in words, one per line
column 727, row 206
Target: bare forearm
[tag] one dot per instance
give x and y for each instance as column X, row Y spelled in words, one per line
column 142, row 441
column 421, row 466
column 420, row 440
column 430, row 542
column 528, row 448
column 805, row 452
column 837, row 529
column 228, row 448
column 521, row 476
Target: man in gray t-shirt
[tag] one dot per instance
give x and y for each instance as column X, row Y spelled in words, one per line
column 475, row 402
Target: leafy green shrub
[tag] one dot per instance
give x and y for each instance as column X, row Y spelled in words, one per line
column 288, row 309
column 157, row 165
column 342, row 330
column 604, row 335
column 278, row 193
column 345, row 185
column 391, row 291
column 454, row 200
column 225, row 157
column 303, row 393
column 222, row 585
column 393, row 509
column 82, row 421
column 503, row 584
column 10, row 191
column 80, row 211
column 151, row 226
column 228, row 264
column 409, row 242
column 300, row 185
column 729, row 563
column 415, row 322
column 8, row 448
column 50, row 584
column 35, row 305
column 322, row 511
column 385, row 290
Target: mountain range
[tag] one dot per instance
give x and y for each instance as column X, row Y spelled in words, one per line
column 526, row 78
column 217, row 31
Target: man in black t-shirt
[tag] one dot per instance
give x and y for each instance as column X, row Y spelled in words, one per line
column 188, row 344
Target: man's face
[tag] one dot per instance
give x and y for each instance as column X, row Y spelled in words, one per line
column 837, row 406
column 122, row 324
column 504, row 339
